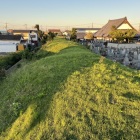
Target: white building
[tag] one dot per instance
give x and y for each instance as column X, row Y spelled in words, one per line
column 8, row 43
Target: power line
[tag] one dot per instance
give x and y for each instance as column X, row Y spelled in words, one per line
column 55, row 25
column 44, row 27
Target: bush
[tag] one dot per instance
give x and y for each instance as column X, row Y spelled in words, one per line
column 27, row 54
column 10, row 60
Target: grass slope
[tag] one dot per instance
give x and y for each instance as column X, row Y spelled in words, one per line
column 71, row 94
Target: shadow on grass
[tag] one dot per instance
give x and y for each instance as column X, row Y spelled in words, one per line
column 131, row 96
column 62, row 64
column 42, row 54
column 136, row 79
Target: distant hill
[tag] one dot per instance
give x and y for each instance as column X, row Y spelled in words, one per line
column 70, row 93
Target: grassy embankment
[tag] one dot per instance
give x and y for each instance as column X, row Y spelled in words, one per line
column 7, row 61
column 70, row 94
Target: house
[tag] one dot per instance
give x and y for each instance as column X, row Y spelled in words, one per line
column 66, row 32
column 24, row 33
column 11, row 38
column 8, row 43
column 3, row 32
column 104, row 32
column 56, row 31
column 81, row 32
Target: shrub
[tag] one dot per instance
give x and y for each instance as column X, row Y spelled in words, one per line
column 27, row 54
column 10, row 60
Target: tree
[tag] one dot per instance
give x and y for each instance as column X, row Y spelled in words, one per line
column 39, row 32
column 44, row 39
column 51, row 35
column 73, row 34
column 37, row 26
column 89, row 36
column 121, row 35
column 113, row 32
column 129, row 34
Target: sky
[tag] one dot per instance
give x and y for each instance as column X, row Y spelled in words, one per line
column 65, row 14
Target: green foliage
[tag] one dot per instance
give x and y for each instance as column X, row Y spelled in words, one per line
column 27, row 54
column 73, row 34
column 40, row 34
column 37, row 26
column 129, row 34
column 16, row 107
column 9, row 60
column 44, row 39
column 121, row 35
column 71, row 94
column 51, row 36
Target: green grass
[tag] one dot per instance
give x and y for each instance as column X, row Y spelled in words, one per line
column 9, row 60
column 2, row 59
column 70, row 94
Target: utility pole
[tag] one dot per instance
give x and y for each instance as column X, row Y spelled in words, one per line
column 139, row 26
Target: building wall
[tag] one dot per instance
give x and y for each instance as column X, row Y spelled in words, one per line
column 104, row 38
column 25, row 35
column 91, row 31
column 8, row 46
column 116, row 45
column 86, row 31
column 124, row 26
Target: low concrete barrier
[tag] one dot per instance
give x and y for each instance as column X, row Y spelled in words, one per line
column 115, row 45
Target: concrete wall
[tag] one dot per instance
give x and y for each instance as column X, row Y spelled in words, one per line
column 86, row 31
column 114, row 45
column 8, row 46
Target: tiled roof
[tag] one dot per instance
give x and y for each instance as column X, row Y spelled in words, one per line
column 21, row 31
column 87, row 28
column 10, row 37
column 105, row 30
column 80, row 35
column 67, row 31
column 54, row 30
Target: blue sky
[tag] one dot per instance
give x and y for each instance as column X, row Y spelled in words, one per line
column 66, row 13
